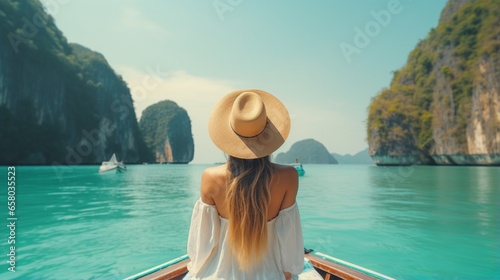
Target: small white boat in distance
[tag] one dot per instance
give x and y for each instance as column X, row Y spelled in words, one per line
column 112, row 164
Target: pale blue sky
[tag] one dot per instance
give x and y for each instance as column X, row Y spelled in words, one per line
column 189, row 52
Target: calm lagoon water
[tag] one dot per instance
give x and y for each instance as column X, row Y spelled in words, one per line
column 405, row 222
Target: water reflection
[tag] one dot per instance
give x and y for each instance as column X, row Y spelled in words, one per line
column 435, row 208
column 103, row 218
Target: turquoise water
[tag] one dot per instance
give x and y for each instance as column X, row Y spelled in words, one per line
column 408, row 223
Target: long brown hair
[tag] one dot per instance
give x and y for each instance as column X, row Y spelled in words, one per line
column 248, row 197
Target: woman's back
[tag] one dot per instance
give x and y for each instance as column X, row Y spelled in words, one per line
column 283, row 189
column 212, row 253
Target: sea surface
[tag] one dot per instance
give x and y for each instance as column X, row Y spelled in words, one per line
column 406, row 222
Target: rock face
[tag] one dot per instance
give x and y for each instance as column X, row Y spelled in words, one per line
column 307, row 151
column 167, row 132
column 362, row 157
column 443, row 107
column 60, row 103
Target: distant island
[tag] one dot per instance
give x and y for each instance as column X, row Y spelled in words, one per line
column 443, row 107
column 166, row 128
column 362, row 157
column 314, row 152
column 306, row 151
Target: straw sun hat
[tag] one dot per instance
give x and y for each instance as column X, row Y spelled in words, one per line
column 249, row 124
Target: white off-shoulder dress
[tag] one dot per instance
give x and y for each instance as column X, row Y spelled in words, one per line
column 212, row 257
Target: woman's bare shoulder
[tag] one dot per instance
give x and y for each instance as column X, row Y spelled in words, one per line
column 215, row 171
column 212, row 179
column 286, row 172
column 286, row 180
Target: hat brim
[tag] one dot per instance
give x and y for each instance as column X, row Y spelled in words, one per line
column 271, row 138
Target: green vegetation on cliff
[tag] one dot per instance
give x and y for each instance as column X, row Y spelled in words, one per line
column 54, row 94
column 166, row 128
column 432, row 94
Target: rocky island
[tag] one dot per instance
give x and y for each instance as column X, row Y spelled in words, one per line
column 443, row 107
column 60, row 103
column 361, row 157
column 166, row 128
column 306, row 151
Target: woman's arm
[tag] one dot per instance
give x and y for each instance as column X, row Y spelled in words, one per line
column 207, row 187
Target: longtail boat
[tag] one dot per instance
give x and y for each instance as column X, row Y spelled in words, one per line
column 328, row 267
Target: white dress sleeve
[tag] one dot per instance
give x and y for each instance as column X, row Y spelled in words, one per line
column 290, row 240
column 203, row 235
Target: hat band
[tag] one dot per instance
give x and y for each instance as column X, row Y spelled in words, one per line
column 258, row 134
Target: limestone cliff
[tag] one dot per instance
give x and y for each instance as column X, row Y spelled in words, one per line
column 167, row 132
column 60, row 103
column 443, row 107
column 306, row 151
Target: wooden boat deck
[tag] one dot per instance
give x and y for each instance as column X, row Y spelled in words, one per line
column 328, row 269
column 174, row 272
